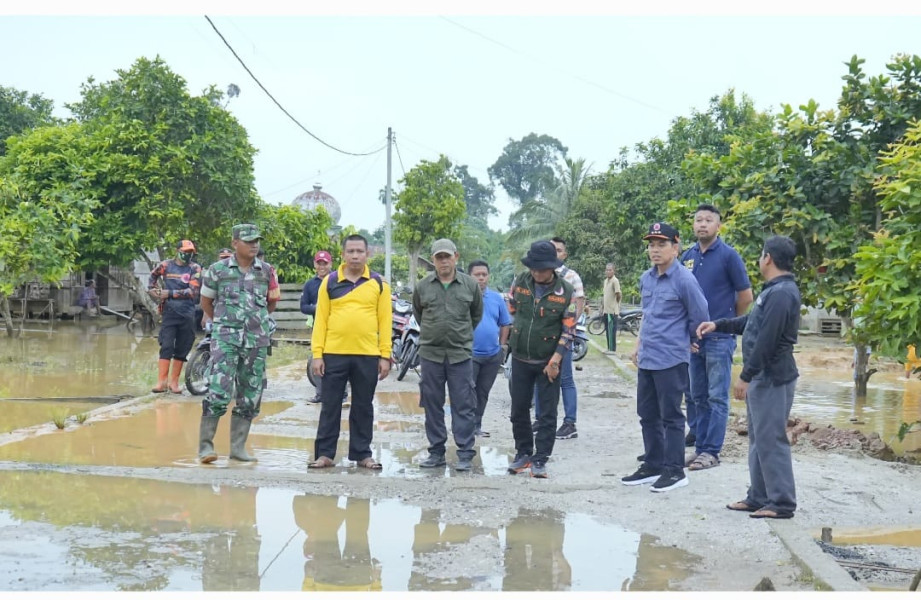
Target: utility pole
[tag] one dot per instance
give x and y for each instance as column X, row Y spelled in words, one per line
column 387, row 226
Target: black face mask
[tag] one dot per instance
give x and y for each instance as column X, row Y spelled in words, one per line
column 186, row 257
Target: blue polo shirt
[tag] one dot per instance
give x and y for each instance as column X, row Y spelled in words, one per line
column 673, row 307
column 495, row 315
column 721, row 275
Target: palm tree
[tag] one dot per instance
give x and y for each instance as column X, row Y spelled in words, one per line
column 539, row 218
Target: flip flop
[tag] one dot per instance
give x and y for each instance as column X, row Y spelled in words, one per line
column 767, row 513
column 742, row 506
column 370, row 463
column 323, row 462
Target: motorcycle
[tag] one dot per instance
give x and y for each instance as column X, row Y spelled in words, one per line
column 198, row 369
column 629, row 322
column 402, row 312
column 409, row 349
column 580, row 341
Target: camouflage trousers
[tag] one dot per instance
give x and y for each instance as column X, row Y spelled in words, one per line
column 235, row 372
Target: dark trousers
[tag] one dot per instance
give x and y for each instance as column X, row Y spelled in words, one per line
column 361, row 372
column 485, row 369
column 459, row 379
column 658, row 404
column 525, row 377
column 611, row 331
column 177, row 334
column 770, row 461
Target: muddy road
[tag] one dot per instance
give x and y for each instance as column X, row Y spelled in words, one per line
column 119, row 503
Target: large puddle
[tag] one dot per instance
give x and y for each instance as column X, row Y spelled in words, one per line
column 166, row 433
column 84, row 532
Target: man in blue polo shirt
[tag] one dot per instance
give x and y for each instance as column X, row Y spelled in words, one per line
column 673, row 307
column 489, row 340
column 721, row 274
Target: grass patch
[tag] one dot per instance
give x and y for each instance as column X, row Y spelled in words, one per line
column 81, row 417
column 59, row 418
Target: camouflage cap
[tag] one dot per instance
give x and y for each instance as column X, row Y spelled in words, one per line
column 246, row 232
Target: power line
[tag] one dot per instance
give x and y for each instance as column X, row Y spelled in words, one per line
column 277, row 103
column 398, row 155
column 537, row 60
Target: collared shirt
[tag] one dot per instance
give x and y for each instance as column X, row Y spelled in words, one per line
column 578, row 290
column 495, row 317
column 721, row 275
column 610, row 305
column 447, row 316
column 353, row 317
column 673, row 307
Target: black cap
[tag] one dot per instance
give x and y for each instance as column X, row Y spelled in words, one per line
column 661, row 231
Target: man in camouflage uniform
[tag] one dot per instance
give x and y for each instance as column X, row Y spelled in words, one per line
column 236, row 296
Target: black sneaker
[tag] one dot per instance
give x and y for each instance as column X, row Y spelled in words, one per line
column 643, row 475
column 433, row 461
column 669, row 481
column 689, row 440
column 567, row 431
column 314, row 400
column 521, row 463
column 463, row 464
column 539, row 470
column 641, row 457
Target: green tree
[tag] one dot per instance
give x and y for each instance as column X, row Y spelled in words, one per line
column 480, row 199
column 41, row 221
column 292, row 237
column 813, row 180
column 170, row 165
column 525, row 169
column 430, row 206
column 20, row 112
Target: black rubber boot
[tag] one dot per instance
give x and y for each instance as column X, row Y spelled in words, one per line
column 239, row 431
column 206, row 453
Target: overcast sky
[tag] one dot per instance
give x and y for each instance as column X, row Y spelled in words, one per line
column 460, row 84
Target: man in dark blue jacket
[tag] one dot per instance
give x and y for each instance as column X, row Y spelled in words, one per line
column 767, row 381
column 321, row 264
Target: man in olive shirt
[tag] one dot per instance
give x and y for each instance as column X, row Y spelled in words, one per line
column 448, row 306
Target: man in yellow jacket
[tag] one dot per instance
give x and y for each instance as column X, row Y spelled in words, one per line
column 351, row 344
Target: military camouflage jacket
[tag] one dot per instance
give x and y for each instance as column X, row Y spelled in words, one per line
column 241, row 315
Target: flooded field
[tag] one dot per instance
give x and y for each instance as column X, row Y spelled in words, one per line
column 154, row 535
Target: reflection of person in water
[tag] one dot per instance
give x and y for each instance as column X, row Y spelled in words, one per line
column 534, row 559
column 326, row 566
column 231, row 561
column 431, row 538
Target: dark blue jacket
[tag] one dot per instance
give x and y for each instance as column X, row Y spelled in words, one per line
column 309, row 295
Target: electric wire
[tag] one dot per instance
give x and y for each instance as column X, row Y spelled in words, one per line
column 395, row 145
column 277, row 103
column 537, row 60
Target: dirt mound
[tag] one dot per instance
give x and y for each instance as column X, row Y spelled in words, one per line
column 831, row 438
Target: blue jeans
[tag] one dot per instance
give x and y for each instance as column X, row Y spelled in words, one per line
column 708, row 405
column 568, row 391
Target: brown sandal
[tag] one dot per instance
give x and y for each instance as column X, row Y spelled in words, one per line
column 370, row 463
column 702, row 461
column 323, row 462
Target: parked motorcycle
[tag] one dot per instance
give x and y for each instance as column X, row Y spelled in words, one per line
column 402, row 312
column 198, row 368
column 409, row 349
column 580, row 341
column 629, row 321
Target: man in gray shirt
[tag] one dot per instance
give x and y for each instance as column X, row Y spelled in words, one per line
column 448, row 306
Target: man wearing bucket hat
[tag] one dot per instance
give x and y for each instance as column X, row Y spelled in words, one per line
column 673, row 307
column 236, row 296
column 448, row 306
column 541, row 304
column 175, row 284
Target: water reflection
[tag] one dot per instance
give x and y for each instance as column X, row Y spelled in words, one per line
column 76, row 360
column 826, row 396
column 108, row 533
column 876, row 536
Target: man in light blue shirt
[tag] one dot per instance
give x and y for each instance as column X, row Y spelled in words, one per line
column 489, row 340
column 673, row 307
